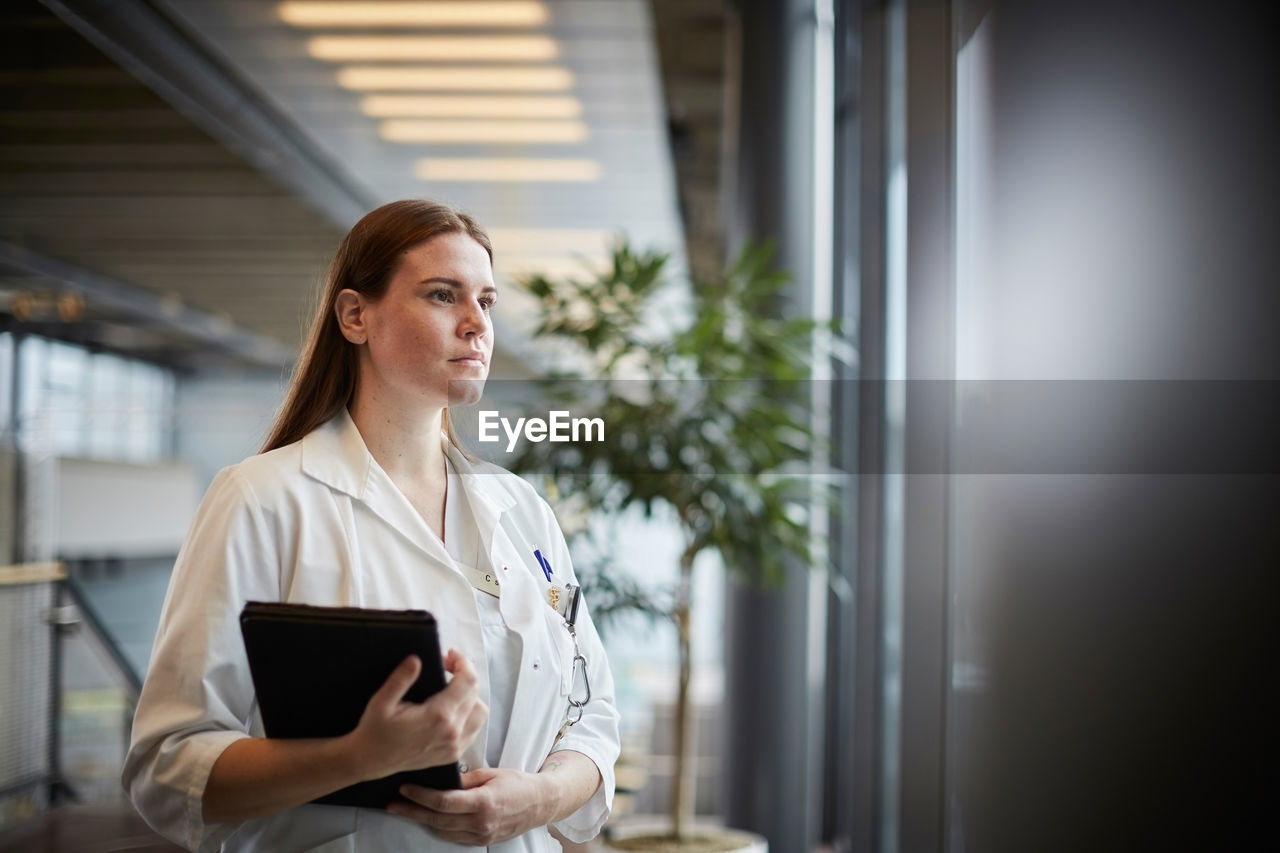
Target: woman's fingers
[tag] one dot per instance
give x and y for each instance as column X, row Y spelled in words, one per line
column 393, row 690
column 494, row 805
column 456, row 664
column 460, row 693
column 397, row 684
column 456, row 714
column 448, row 827
column 476, row 720
column 404, row 736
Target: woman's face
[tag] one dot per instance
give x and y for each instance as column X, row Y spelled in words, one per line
column 429, row 339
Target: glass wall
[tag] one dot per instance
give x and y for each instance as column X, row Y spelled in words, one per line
column 92, row 405
column 1053, row 248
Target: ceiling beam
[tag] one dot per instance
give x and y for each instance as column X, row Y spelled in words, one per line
column 161, row 55
column 214, row 331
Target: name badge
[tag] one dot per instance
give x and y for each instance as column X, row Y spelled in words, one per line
column 485, row 581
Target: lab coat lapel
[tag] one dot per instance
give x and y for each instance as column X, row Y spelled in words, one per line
column 486, row 496
column 336, row 455
column 521, row 604
column 385, row 500
column 489, row 499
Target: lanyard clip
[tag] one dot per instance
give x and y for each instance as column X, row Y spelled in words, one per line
column 573, row 713
column 574, row 593
column 565, row 602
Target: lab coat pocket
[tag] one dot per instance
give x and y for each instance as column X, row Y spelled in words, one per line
column 308, row 829
column 561, row 648
column 345, row 844
column 322, row 581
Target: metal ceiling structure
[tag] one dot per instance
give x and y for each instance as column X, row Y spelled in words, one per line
column 174, row 174
column 105, row 189
column 695, row 41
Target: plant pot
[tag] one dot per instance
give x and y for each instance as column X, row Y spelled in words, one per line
column 703, row 838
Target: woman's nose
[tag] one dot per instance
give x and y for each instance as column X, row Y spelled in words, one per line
column 473, row 321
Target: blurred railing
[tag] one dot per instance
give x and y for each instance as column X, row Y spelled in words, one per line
column 44, row 618
column 29, row 778
column 129, row 678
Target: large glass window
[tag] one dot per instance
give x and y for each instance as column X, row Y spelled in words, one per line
column 73, row 402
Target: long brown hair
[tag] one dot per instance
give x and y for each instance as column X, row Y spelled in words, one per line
column 325, row 377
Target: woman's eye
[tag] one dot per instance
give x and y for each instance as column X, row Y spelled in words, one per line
column 488, row 301
column 441, row 296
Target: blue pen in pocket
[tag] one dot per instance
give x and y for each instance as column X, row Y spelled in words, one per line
column 542, row 563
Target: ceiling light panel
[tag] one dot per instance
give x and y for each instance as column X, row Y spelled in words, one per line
column 476, row 130
column 433, row 48
column 559, row 241
column 471, row 13
column 455, row 78
column 620, row 179
column 553, row 268
column 483, row 169
column 471, row 106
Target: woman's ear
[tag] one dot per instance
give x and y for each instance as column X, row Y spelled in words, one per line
column 349, row 309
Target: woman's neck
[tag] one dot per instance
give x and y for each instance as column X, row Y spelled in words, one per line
column 405, row 443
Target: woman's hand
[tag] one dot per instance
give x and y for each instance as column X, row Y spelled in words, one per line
column 395, row 735
column 494, row 805
column 255, row 777
column 497, row 804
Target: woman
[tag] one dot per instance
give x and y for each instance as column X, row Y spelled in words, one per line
column 360, row 498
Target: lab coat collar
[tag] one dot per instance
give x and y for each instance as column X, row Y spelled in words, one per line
column 489, row 498
column 336, row 455
column 481, row 480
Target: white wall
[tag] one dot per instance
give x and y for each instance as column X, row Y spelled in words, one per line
column 222, row 419
column 121, row 510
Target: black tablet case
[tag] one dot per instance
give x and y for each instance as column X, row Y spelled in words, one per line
column 314, row 669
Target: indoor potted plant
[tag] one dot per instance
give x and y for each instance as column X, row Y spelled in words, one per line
column 712, row 420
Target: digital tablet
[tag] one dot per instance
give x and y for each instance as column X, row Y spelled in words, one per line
column 315, row 669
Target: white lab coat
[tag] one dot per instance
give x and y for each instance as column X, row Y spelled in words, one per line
column 319, row 522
